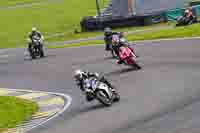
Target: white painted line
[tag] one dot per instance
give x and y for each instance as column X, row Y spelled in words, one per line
column 69, row 101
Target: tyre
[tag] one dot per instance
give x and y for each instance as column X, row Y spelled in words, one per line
column 102, row 97
column 33, row 56
column 41, row 52
column 116, row 97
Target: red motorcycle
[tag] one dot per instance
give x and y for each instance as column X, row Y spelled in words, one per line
column 128, row 57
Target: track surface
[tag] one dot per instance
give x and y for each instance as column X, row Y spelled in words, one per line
column 164, row 97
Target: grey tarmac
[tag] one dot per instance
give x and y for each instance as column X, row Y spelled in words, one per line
column 163, row 97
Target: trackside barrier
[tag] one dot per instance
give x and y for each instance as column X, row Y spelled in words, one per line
column 91, row 23
column 173, row 14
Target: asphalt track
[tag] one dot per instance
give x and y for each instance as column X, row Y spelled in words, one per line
column 163, row 97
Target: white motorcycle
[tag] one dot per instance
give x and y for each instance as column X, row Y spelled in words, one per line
column 100, row 91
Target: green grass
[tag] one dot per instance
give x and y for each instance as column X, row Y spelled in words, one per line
column 179, row 32
column 14, row 111
column 54, row 17
column 6, row 3
column 71, row 35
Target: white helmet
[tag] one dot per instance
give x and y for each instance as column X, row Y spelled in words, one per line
column 187, row 11
column 34, row 29
column 78, row 74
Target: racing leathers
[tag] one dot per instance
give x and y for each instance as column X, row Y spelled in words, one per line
column 108, row 39
column 31, row 37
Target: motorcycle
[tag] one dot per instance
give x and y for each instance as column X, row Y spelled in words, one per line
column 182, row 21
column 36, row 48
column 128, row 57
column 101, row 92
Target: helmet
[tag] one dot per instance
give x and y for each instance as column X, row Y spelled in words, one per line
column 107, row 30
column 115, row 39
column 34, row 29
column 79, row 74
column 186, row 11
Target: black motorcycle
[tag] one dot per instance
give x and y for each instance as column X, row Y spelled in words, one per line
column 36, row 49
column 183, row 20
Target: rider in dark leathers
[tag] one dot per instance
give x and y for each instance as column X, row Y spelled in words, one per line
column 108, row 37
column 33, row 33
column 187, row 18
column 81, row 77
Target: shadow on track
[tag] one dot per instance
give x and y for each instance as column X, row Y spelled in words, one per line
column 92, row 61
column 121, row 71
column 82, row 110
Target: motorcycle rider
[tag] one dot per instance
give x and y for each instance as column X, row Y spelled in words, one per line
column 124, row 43
column 82, row 77
column 31, row 35
column 189, row 16
column 108, row 33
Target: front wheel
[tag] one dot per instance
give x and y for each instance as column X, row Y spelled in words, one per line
column 116, row 97
column 102, row 97
column 32, row 53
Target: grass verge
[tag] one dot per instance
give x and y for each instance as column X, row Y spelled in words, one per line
column 54, row 17
column 179, row 32
column 14, row 111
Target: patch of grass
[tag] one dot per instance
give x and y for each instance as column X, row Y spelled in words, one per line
column 56, row 17
column 186, row 31
column 14, row 111
column 72, row 36
column 6, row 3
column 179, row 32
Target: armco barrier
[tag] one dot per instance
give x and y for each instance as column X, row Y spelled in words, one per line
column 155, row 18
column 91, row 23
column 173, row 14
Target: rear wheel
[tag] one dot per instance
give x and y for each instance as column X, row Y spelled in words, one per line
column 32, row 53
column 103, row 98
column 41, row 53
column 116, row 97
